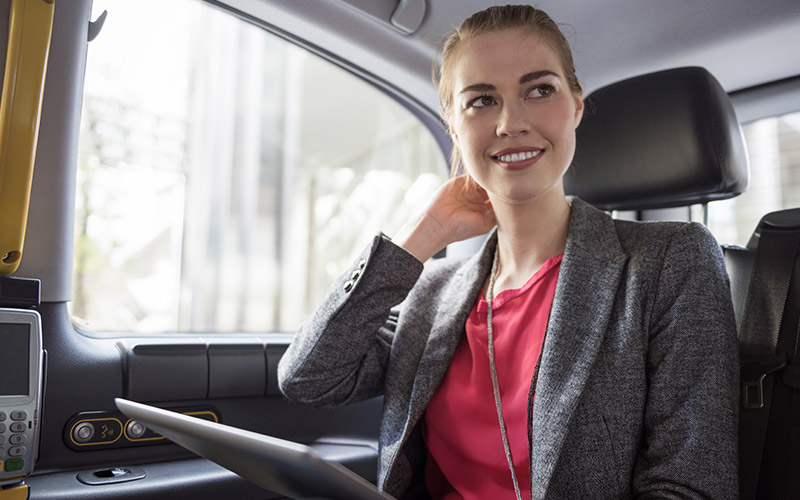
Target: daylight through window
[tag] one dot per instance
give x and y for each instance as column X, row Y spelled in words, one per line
column 226, row 177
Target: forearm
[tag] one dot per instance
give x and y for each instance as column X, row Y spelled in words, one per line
column 340, row 353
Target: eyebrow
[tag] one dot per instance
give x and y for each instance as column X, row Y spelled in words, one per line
column 535, row 75
column 526, row 78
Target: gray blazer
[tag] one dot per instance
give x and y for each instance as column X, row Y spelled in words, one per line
column 637, row 392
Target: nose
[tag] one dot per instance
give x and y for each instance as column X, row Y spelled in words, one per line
column 512, row 120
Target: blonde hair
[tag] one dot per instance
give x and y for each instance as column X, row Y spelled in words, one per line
column 495, row 19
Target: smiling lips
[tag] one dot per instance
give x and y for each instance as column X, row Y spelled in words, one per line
column 517, row 160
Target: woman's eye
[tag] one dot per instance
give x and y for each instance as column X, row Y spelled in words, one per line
column 543, row 90
column 481, row 102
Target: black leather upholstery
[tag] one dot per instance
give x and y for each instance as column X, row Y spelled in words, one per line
column 665, row 139
column 739, row 260
column 765, row 287
column 739, row 263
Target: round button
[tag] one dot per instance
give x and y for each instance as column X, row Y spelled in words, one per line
column 83, row 432
column 135, row 430
column 17, row 451
column 19, row 415
column 2, row 416
column 14, row 464
column 17, row 439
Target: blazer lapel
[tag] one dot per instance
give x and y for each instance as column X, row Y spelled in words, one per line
column 448, row 328
column 590, row 272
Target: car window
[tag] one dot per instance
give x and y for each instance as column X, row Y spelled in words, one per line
column 773, row 145
column 226, row 176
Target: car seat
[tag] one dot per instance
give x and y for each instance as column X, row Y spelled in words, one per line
column 766, row 295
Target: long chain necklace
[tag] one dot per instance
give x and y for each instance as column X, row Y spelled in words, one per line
column 493, row 372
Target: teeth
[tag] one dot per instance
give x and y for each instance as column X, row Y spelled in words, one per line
column 527, row 155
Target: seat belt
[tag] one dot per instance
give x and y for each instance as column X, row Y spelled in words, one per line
column 781, row 458
column 765, row 301
column 791, row 377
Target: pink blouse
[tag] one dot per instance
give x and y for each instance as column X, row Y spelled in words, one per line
column 465, row 447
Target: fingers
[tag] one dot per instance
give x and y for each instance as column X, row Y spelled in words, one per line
column 463, row 208
column 463, row 187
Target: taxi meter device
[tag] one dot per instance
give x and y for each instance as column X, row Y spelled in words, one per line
column 20, row 392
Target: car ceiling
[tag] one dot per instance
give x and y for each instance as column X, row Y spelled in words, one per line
column 743, row 42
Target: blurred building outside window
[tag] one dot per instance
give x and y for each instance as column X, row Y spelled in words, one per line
column 227, row 177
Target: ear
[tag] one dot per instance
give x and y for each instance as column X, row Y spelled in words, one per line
column 453, row 134
column 579, row 105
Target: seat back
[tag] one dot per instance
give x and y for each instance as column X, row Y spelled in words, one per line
column 765, row 284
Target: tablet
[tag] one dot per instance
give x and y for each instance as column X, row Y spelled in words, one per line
column 285, row 467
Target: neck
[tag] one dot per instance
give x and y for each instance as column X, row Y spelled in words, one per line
column 528, row 235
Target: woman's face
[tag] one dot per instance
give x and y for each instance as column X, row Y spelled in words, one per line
column 514, row 116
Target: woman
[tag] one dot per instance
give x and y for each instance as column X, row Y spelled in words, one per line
column 608, row 365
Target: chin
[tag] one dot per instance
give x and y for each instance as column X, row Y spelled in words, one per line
column 522, row 194
column 518, row 198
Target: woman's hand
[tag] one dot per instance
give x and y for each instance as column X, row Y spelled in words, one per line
column 460, row 209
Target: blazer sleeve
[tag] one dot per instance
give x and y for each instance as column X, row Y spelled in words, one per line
column 340, row 354
column 691, row 415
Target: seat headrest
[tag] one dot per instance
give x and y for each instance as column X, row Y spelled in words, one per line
column 660, row 140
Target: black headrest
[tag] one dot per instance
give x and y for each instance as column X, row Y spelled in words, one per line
column 665, row 139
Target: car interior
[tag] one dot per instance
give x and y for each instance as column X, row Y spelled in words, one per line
column 181, row 181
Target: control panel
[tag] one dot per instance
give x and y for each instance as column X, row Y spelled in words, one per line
column 111, row 429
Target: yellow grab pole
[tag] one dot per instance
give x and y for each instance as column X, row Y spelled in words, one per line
column 29, row 29
column 17, row 492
